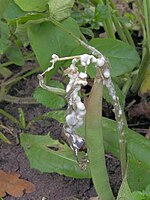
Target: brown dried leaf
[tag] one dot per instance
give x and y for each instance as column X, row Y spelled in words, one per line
column 12, row 185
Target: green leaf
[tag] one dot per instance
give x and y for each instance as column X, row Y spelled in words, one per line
column 49, row 99
column 15, row 55
column 57, row 115
column 47, row 39
column 4, row 34
column 87, row 31
column 24, row 21
column 136, row 170
column 3, row 6
column 13, row 11
column 48, row 155
column 59, row 9
column 123, row 57
column 5, row 72
column 138, row 149
column 148, row 189
column 4, row 139
column 34, row 5
column 137, row 195
column 124, row 191
column 101, row 12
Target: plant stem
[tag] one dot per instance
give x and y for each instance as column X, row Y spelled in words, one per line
column 124, row 28
column 19, row 100
column 119, row 29
column 108, row 24
column 146, row 4
column 142, row 70
column 126, row 86
column 94, row 139
column 9, row 116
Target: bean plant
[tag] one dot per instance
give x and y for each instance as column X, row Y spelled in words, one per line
column 48, row 28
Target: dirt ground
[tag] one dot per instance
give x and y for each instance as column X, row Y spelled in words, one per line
column 49, row 186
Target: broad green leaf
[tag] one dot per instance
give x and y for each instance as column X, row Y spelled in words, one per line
column 3, row 138
column 15, row 55
column 57, row 115
column 124, row 191
column 5, row 72
column 137, row 195
column 48, row 155
column 13, row 11
column 34, row 5
column 101, row 12
column 49, row 99
column 4, row 34
column 123, row 57
column 138, row 149
column 148, row 189
column 3, row 6
column 24, row 21
column 87, row 31
column 138, row 172
column 59, row 9
column 47, row 39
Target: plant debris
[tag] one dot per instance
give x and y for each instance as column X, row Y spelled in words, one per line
column 12, row 185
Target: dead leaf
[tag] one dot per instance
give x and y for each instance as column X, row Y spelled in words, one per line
column 12, row 185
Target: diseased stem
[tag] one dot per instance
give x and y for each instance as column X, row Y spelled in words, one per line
column 108, row 82
column 94, row 139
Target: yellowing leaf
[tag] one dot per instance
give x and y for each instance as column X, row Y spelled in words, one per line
column 145, row 86
column 12, row 185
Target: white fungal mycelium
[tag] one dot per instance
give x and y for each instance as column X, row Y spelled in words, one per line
column 76, row 109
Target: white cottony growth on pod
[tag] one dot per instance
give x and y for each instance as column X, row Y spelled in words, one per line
column 100, row 62
column 106, row 73
column 80, row 106
column 76, row 109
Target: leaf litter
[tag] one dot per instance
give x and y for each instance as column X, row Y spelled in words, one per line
column 11, row 184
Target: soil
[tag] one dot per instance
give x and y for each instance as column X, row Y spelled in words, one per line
column 49, row 186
